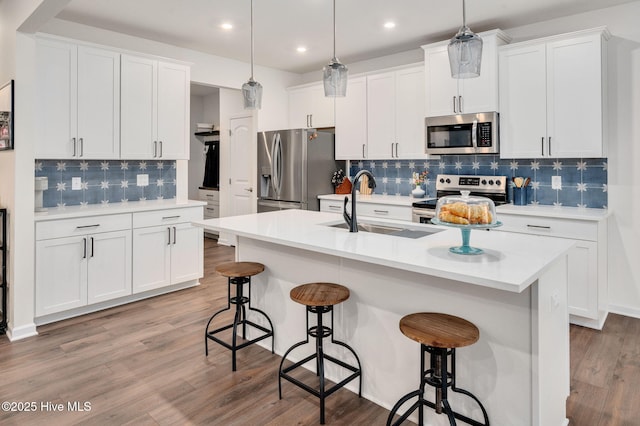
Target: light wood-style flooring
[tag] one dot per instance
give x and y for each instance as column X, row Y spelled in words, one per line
column 144, row 364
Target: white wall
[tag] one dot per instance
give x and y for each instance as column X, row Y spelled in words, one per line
column 196, row 148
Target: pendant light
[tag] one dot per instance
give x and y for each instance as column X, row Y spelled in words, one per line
column 252, row 90
column 334, row 74
column 465, row 51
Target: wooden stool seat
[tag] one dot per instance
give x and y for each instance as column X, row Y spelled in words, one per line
column 239, row 269
column 319, row 294
column 439, row 330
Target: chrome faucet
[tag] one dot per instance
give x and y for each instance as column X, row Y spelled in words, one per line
column 351, row 220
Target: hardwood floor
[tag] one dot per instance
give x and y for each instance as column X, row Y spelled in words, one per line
column 144, row 364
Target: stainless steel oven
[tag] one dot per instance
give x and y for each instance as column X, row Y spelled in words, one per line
column 493, row 187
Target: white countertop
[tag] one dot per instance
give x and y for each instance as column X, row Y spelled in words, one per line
column 511, row 261
column 395, row 200
column 561, row 212
column 55, row 213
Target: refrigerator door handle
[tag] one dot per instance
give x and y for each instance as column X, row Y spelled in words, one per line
column 278, row 163
column 274, row 177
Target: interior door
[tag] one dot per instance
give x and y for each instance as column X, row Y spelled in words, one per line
column 242, row 170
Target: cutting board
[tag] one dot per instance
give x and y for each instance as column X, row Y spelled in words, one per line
column 364, row 185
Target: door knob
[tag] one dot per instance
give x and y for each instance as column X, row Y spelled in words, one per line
column 249, row 189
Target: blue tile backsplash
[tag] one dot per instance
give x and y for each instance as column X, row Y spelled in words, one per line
column 105, row 181
column 584, row 180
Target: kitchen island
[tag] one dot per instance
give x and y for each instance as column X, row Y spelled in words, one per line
column 515, row 293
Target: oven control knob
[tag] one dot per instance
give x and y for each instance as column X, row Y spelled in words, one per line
column 490, row 182
column 498, row 183
column 484, row 181
column 448, row 180
column 441, row 180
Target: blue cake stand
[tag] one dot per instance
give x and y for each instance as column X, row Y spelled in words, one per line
column 465, row 248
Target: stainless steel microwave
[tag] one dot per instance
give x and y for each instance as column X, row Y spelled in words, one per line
column 463, row 134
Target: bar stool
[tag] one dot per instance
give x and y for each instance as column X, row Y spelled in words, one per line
column 439, row 335
column 238, row 274
column 319, row 298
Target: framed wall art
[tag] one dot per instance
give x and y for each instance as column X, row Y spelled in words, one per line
column 6, row 116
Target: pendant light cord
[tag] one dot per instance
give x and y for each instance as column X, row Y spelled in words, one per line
column 464, row 14
column 252, row 39
column 334, row 28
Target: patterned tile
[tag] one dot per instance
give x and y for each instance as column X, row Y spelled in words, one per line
column 108, row 181
column 583, row 180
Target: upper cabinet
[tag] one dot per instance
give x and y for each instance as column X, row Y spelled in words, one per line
column 382, row 116
column 553, row 97
column 308, row 107
column 95, row 103
column 78, row 101
column 155, row 109
column 447, row 95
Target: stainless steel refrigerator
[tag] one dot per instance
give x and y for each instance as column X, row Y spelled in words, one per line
column 294, row 167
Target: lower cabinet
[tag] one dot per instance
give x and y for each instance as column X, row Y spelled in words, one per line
column 77, row 265
column 167, row 249
column 369, row 209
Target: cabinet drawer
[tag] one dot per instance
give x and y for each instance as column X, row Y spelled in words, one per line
column 553, row 227
column 332, row 206
column 82, row 226
column 211, row 211
column 164, row 217
column 208, row 195
column 384, row 210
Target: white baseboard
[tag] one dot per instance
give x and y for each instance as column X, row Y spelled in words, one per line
column 22, row 332
column 624, row 310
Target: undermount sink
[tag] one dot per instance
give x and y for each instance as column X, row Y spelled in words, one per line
column 389, row 230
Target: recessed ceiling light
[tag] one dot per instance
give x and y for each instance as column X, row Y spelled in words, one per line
column 226, row 26
column 301, row 49
column 389, row 24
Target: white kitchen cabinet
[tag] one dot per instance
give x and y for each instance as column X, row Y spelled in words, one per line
column 369, row 209
column 82, row 261
column 351, row 121
column 382, row 116
column 167, row 249
column 78, row 101
column 309, row 107
column 552, row 97
column 446, row 95
column 155, row 109
column 587, row 267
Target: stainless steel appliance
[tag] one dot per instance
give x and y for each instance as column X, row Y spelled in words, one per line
column 294, row 167
column 494, row 187
column 463, row 134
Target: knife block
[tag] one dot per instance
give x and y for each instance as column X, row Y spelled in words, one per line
column 344, row 187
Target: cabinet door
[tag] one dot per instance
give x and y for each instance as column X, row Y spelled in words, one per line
column 574, row 93
column 187, row 251
column 173, row 111
column 323, row 108
column 61, row 274
column 138, row 108
column 441, row 87
column 300, row 106
column 109, row 266
column 381, row 115
column 98, row 103
column 57, row 95
column 480, row 94
column 151, row 258
column 308, row 107
column 523, row 102
column 351, row 121
column 410, row 110
column 583, row 279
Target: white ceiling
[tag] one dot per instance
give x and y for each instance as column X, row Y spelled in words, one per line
column 282, row 25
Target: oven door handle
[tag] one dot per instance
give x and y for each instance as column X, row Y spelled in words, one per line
column 474, row 134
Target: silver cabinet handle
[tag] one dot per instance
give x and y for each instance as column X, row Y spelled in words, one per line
column 392, row 150
column 542, row 146
column 170, row 217
column 74, row 146
column 397, row 156
column 174, row 235
column 310, row 120
column 91, row 246
column 549, row 146
column 160, row 156
column 169, row 236
column 84, row 250
column 334, row 207
column 538, row 227
column 81, row 147
column 210, row 208
column 381, row 211
column 87, row 226
column 155, row 149
column 454, row 105
column 362, row 150
column 460, row 109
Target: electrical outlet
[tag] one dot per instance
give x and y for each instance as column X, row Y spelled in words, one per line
column 556, row 182
column 76, row 183
column 142, row 180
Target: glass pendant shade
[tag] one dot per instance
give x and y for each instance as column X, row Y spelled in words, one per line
column 465, row 54
column 334, row 76
column 252, row 94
